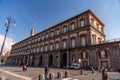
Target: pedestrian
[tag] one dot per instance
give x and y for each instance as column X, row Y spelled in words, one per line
column 46, row 72
column 92, row 68
column 24, row 67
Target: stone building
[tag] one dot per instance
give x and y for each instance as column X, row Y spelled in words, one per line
column 80, row 37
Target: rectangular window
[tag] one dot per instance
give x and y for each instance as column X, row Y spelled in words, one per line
column 82, row 23
column 102, row 29
column 97, row 26
column 83, row 41
column 42, row 37
column 46, row 48
column 73, row 43
column 64, row 44
column 52, row 34
column 103, row 54
column 92, row 22
column 51, row 47
column 99, row 40
column 94, row 39
column 64, row 29
column 37, row 49
column 58, row 32
column 42, row 49
column 84, row 55
column 57, row 45
column 46, row 36
column 72, row 26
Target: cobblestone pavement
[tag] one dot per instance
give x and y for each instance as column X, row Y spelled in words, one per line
column 33, row 72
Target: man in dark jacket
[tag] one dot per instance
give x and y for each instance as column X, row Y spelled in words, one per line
column 46, row 72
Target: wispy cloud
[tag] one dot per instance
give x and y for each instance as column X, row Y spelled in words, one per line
column 8, row 43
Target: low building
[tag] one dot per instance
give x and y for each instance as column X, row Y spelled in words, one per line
column 80, row 37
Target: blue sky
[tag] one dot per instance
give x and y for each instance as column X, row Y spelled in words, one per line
column 42, row 14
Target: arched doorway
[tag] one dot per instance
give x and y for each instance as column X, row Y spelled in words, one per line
column 40, row 60
column 50, row 60
column 33, row 58
column 25, row 59
column 64, row 60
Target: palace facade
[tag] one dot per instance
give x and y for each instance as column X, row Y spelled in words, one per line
column 80, row 37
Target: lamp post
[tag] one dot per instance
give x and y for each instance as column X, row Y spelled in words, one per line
column 9, row 20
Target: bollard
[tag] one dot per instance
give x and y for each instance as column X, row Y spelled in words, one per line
column 2, row 78
column 41, row 77
column 66, row 73
column 59, row 76
column 51, row 76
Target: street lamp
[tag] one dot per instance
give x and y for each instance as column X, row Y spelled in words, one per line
column 8, row 21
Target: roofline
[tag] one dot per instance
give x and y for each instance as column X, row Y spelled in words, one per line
column 87, row 11
column 96, row 17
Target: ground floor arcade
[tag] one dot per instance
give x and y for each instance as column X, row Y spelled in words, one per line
column 90, row 56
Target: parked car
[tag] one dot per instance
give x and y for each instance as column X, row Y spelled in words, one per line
column 74, row 66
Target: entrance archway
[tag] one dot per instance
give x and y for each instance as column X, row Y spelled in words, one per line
column 26, row 59
column 40, row 60
column 64, row 60
column 33, row 58
column 50, row 60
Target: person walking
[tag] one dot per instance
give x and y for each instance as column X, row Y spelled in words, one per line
column 46, row 72
column 92, row 68
column 24, row 67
